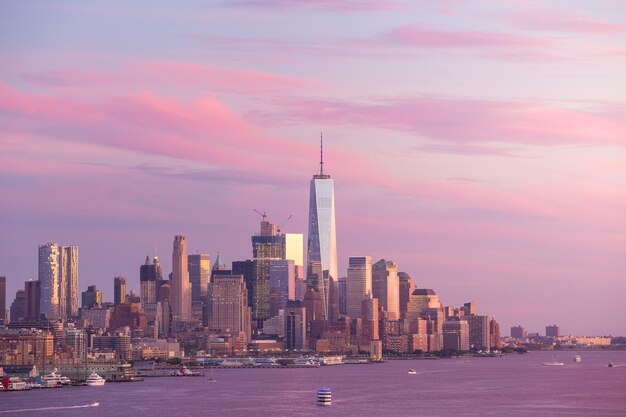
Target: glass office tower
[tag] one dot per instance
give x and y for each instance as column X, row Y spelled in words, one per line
column 322, row 242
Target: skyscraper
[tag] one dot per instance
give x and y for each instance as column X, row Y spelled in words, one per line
column 358, row 284
column 228, row 303
column 32, row 294
column 92, row 297
column 295, row 325
column 266, row 247
column 3, row 300
column 68, row 281
column 199, row 276
column 385, row 287
column 119, row 290
column 49, row 280
column 406, row 288
column 322, row 242
column 18, row 307
column 181, row 287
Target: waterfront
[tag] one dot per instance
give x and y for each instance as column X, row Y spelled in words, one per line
column 514, row 385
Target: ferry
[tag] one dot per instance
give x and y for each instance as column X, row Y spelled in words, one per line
column 54, row 376
column 412, row 372
column 230, row 364
column 306, row 362
column 95, row 380
column 266, row 362
column 184, row 371
column 324, row 396
column 16, row 384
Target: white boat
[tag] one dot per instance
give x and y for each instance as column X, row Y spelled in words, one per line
column 231, row 364
column 611, row 364
column 95, row 380
column 306, row 362
column 553, row 363
column 412, row 372
column 265, row 362
column 577, row 358
column 54, row 376
column 324, row 396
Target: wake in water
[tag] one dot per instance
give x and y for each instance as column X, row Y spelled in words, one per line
column 22, row 410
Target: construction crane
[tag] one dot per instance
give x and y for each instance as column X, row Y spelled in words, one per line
column 283, row 223
column 264, row 215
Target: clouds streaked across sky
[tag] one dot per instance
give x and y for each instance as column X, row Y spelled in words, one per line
column 480, row 145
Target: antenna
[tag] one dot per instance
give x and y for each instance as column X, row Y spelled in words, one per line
column 321, row 154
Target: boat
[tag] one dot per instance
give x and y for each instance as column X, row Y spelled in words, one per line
column 306, row 362
column 231, row 364
column 95, row 380
column 266, row 362
column 553, row 363
column 184, row 371
column 324, row 396
column 412, row 372
column 611, row 364
column 17, row 384
column 54, row 376
column 577, row 358
column 95, row 404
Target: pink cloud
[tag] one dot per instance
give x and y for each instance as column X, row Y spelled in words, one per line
column 172, row 73
column 545, row 18
column 417, row 36
column 322, row 5
column 467, row 121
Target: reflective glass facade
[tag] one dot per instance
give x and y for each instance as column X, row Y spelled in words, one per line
column 322, row 244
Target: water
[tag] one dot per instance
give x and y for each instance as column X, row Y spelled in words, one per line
column 514, row 385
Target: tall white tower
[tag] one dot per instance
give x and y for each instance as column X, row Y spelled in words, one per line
column 322, row 241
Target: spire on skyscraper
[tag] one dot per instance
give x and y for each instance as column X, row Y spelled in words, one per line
column 321, row 154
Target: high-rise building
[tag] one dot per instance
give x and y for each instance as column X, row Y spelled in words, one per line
column 68, row 281
column 32, row 294
column 266, row 247
column 228, row 305
column 283, row 280
column 420, row 299
column 359, row 284
column 18, row 307
column 150, row 280
column 322, row 242
column 49, row 280
column 342, row 287
column 406, row 288
column 295, row 325
column 3, row 300
column 245, row 268
column 456, row 335
column 518, row 332
column 553, row 331
column 119, row 290
column 199, row 276
column 369, row 314
column 386, row 287
column 181, row 287
column 92, row 297
column 478, row 332
column 494, row 334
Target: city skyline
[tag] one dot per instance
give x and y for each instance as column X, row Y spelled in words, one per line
column 485, row 157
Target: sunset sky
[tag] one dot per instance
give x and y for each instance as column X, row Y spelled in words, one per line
column 478, row 144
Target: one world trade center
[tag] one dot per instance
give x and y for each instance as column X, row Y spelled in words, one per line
column 322, row 242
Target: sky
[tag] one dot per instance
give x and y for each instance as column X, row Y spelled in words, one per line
column 480, row 145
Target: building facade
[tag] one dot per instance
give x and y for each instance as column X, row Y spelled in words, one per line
column 119, row 290
column 199, row 276
column 386, row 287
column 358, row 284
column 322, row 243
column 181, row 287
